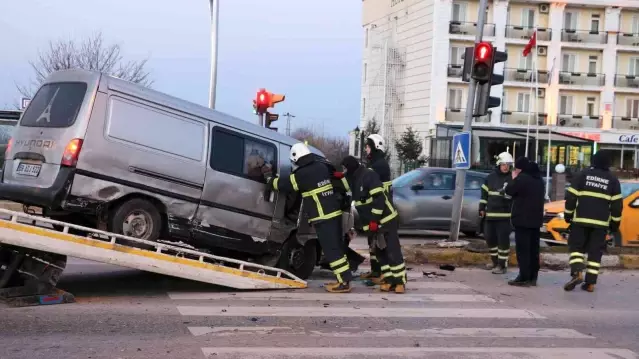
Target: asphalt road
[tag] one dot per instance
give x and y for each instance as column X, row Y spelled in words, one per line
column 123, row 313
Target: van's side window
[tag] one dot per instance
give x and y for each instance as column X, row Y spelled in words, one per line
column 241, row 155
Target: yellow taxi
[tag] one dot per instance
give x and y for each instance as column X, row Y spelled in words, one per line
column 555, row 229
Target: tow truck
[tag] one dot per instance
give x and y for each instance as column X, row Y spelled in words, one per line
column 33, row 257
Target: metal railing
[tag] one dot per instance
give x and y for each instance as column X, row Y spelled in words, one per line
column 459, row 114
column 469, row 28
column 585, row 36
column 525, row 32
column 521, row 118
column 455, row 70
column 625, row 123
column 581, row 79
column 524, row 75
column 628, row 39
column 564, row 120
column 630, row 81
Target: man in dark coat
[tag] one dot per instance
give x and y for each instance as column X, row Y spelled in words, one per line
column 527, row 216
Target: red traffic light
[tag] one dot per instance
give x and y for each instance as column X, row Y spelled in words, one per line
column 483, row 51
column 263, row 98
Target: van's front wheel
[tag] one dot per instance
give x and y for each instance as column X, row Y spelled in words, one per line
column 299, row 259
column 137, row 218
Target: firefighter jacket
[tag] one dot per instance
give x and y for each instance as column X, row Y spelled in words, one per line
column 313, row 180
column 379, row 164
column 371, row 201
column 494, row 202
column 594, row 200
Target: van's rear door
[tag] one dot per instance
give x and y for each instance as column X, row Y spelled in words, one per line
column 58, row 114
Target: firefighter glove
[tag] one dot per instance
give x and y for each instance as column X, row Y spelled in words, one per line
column 338, row 175
column 373, row 226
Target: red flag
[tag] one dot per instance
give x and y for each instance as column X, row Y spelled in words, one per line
column 531, row 44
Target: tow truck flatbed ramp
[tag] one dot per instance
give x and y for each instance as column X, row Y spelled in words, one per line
column 111, row 248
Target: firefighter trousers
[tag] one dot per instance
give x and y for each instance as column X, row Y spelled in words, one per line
column 391, row 259
column 372, row 251
column 329, row 235
column 586, row 240
column 497, row 233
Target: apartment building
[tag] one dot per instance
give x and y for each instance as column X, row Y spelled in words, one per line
column 587, row 71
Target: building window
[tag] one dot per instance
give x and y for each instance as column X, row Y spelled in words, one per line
column 568, row 62
column 525, row 62
column 565, row 105
column 592, row 64
column 633, row 65
column 635, row 24
column 366, row 39
column 590, row 106
column 570, row 20
column 365, row 71
column 455, row 99
column 528, row 18
column 632, row 108
column 594, row 23
column 459, row 12
column 455, row 55
column 523, row 102
column 363, row 106
column 241, row 155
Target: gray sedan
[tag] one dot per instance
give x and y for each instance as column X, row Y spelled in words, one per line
column 424, row 199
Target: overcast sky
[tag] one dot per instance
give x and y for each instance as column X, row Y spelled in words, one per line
column 308, row 50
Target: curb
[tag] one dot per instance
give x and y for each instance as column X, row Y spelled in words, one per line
column 463, row 258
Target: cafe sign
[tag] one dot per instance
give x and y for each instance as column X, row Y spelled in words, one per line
column 628, row 139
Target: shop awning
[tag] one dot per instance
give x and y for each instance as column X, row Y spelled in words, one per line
column 496, row 133
column 558, row 137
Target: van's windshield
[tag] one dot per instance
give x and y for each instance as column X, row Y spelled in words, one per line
column 55, row 105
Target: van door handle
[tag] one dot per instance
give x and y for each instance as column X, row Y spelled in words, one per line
column 447, row 197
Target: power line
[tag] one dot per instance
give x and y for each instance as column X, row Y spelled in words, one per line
column 288, row 122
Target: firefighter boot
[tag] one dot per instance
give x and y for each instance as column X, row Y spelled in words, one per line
column 577, row 278
column 499, row 270
column 385, row 287
column 344, row 287
column 400, row 289
column 588, row 287
column 492, row 264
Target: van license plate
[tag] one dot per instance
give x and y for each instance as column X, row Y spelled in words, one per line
column 27, row 169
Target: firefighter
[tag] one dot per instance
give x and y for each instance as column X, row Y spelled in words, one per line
column 494, row 207
column 375, row 154
column 379, row 220
column 593, row 206
column 313, row 180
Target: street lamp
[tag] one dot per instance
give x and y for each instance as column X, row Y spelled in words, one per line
column 215, row 12
column 358, row 142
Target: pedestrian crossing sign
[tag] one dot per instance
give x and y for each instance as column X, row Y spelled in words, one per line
column 461, row 150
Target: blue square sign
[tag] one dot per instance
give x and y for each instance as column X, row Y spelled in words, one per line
column 461, row 150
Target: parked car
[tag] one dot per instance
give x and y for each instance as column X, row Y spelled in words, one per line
column 424, row 199
column 555, row 229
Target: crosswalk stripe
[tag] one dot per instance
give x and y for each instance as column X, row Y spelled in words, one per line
column 419, row 352
column 344, row 332
column 351, row 297
column 409, row 285
column 225, row 311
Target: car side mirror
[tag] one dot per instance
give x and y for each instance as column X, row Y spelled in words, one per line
column 417, row 187
column 635, row 203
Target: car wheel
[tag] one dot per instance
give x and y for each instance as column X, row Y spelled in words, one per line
column 137, row 218
column 299, row 259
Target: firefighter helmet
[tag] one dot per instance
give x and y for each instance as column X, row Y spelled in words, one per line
column 377, row 140
column 298, row 151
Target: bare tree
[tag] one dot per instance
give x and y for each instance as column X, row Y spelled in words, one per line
column 334, row 148
column 90, row 54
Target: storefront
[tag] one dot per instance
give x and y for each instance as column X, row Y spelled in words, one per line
column 624, row 146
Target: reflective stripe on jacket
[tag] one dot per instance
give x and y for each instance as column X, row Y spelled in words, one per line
column 594, row 199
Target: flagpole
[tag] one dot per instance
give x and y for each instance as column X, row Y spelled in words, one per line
column 550, row 76
column 529, row 114
column 535, row 71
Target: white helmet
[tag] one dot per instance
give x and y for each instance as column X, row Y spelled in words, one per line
column 298, row 151
column 506, row 158
column 378, row 141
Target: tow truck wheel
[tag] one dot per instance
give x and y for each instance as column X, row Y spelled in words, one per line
column 299, row 259
column 137, row 218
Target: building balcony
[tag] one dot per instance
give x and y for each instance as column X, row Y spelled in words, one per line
column 524, row 75
column 522, row 118
column 469, row 28
column 525, row 32
column 625, row 123
column 581, row 79
column 455, row 71
column 459, row 115
column 628, row 81
column 564, row 120
column 584, row 36
column 628, row 39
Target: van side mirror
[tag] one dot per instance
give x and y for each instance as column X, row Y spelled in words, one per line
column 417, row 187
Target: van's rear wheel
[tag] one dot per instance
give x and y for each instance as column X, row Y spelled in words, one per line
column 299, row 259
column 137, row 218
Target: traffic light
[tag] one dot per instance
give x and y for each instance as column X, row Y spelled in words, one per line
column 485, row 56
column 262, row 101
column 275, row 98
column 270, row 118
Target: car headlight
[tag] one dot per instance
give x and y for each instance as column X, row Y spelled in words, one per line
column 560, row 215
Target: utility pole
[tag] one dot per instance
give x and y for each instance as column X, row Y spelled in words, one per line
column 288, row 122
column 215, row 16
column 458, row 197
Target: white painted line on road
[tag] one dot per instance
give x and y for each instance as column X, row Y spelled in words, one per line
column 328, row 297
column 409, row 285
column 420, row 352
column 355, row 332
column 224, row 311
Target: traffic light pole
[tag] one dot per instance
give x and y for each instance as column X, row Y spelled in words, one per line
column 460, row 181
column 260, row 119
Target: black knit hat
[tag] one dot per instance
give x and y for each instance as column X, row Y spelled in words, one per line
column 601, row 160
column 521, row 163
column 351, row 163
